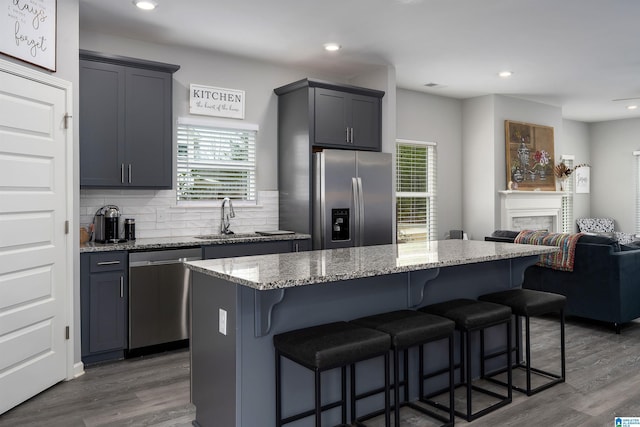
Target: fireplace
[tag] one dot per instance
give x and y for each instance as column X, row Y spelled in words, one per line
column 531, row 210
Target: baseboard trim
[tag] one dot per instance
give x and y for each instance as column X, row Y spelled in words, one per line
column 78, row 370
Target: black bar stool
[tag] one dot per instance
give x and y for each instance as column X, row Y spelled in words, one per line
column 526, row 303
column 407, row 329
column 329, row 346
column 470, row 316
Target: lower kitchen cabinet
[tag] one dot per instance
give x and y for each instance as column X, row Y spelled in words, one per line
column 104, row 293
column 103, row 301
column 255, row 248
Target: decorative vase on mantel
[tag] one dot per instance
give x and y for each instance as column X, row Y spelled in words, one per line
column 563, row 184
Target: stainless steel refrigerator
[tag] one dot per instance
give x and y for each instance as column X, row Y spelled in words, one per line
column 352, row 199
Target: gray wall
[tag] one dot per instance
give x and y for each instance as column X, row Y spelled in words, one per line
column 478, row 166
column 613, row 172
column 484, row 157
column 257, row 79
column 424, row 117
column 575, row 141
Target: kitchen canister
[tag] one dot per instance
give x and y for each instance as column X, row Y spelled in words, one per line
column 130, row 229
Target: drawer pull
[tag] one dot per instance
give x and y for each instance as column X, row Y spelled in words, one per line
column 121, row 287
column 109, row 263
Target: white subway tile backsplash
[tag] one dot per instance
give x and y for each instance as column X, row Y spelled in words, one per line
column 157, row 215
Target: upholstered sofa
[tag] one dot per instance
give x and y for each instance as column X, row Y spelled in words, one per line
column 603, row 226
column 604, row 284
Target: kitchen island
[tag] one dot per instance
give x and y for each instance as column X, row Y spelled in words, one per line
column 238, row 304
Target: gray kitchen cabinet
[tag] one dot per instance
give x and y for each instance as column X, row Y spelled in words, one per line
column 103, row 305
column 346, row 120
column 125, row 122
column 313, row 115
column 255, row 248
column 335, row 116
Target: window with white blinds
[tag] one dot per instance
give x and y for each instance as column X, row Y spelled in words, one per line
column 637, row 154
column 567, row 200
column 416, row 191
column 215, row 161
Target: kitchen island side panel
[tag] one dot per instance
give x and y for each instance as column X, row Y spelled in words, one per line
column 310, row 305
column 214, row 369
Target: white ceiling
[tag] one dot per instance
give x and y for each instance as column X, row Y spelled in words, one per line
column 580, row 55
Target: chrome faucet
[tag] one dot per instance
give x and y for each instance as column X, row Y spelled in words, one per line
column 224, row 218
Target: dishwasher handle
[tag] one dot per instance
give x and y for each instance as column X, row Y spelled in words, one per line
column 162, row 262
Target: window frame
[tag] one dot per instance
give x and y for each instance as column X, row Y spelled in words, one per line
column 184, row 124
column 430, row 195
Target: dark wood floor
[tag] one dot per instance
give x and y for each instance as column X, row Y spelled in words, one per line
column 603, row 381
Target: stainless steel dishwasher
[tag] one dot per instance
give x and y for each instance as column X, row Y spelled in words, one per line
column 159, row 296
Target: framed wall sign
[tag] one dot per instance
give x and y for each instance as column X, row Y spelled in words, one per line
column 216, row 101
column 583, row 177
column 28, row 31
column 529, row 150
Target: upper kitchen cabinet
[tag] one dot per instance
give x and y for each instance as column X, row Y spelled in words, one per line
column 335, row 116
column 126, row 122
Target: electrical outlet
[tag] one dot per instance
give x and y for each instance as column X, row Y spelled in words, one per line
column 222, row 322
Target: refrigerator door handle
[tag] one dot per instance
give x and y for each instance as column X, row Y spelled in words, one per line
column 360, row 212
column 355, row 191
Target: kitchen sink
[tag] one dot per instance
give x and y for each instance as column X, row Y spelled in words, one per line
column 224, row 236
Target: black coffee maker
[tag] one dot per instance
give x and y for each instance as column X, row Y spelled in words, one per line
column 106, row 224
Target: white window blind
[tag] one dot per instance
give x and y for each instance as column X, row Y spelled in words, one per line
column 567, row 201
column 215, row 160
column 416, row 191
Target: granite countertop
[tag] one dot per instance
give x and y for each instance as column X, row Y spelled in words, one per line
column 186, row 242
column 275, row 271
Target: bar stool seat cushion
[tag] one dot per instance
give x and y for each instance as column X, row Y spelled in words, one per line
column 331, row 345
column 470, row 314
column 408, row 327
column 527, row 302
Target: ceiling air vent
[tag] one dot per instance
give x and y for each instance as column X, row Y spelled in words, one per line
column 434, row 85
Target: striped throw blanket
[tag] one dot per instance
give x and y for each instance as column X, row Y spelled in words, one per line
column 561, row 260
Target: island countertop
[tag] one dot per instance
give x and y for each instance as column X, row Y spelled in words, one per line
column 265, row 272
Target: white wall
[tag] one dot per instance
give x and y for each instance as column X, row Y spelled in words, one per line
column 613, row 171
column 425, row 117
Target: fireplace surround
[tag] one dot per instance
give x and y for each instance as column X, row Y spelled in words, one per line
column 537, row 210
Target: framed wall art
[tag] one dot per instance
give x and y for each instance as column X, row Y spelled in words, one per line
column 29, row 31
column 583, row 177
column 529, row 152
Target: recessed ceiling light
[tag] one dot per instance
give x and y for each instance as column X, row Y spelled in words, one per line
column 332, row 47
column 505, row 74
column 631, row 107
column 145, row 4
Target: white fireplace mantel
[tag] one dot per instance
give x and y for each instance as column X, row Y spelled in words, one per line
column 528, row 204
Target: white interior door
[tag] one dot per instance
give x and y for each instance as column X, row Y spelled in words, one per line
column 34, row 281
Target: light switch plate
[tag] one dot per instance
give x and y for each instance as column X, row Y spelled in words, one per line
column 222, row 322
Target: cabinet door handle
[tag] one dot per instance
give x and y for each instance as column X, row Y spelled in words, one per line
column 347, row 135
column 121, row 287
column 129, row 173
column 351, row 135
column 109, row 263
column 122, row 173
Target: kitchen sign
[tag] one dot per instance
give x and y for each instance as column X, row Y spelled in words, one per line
column 29, row 31
column 216, row 101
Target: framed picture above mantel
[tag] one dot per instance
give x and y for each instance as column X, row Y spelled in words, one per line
column 529, row 153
